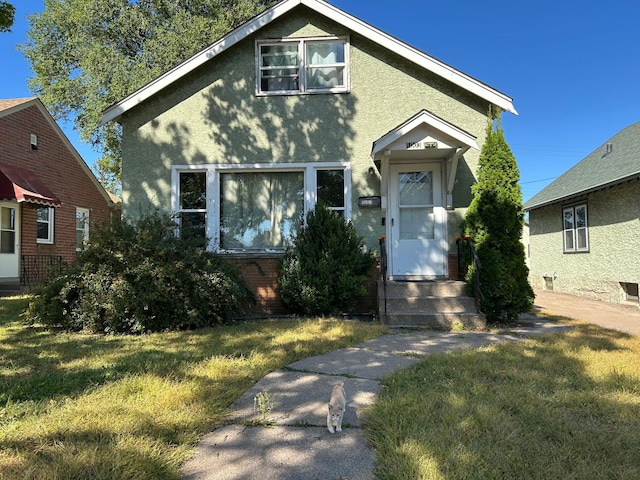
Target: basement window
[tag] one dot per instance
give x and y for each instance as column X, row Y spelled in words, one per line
column 630, row 292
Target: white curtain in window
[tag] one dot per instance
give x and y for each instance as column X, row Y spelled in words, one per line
column 260, row 210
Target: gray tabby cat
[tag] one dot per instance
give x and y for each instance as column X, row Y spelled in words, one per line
column 337, row 407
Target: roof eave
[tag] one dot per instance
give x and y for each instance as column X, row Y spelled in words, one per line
column 401, row 48
column 582, row 193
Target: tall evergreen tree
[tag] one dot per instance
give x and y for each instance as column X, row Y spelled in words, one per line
column 494, row 221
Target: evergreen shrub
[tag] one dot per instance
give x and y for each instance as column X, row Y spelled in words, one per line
column 325, row 269
column 494, row 221
column 140, row 278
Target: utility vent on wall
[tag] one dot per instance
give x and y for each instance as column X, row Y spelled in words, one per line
column 34, row 141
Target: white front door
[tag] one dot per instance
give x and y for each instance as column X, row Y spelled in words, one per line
column 417, row 230
column 9, row 241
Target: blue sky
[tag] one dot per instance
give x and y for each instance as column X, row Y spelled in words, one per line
column 571, row 67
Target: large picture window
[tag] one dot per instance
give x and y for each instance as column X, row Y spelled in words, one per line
column 302, row 66
column 576, row 234
column 258, row 208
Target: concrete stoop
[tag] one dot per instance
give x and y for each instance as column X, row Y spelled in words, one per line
column 438, row 304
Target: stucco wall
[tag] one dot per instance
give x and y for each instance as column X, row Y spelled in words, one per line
column 214, row 116
column 614, row 243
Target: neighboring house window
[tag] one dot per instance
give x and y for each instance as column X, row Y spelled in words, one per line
column 262, row 207
column 576, row 234
column 82, row 228
column 192, row 208
column 7, row 230
column 44, row 225
column 312, row 65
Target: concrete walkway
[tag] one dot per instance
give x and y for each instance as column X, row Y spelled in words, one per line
column 297, row 445
column 625, row 318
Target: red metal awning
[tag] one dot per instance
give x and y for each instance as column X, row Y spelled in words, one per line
column 24, row 186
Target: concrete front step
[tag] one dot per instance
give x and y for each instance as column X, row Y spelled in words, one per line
column 438, row 321
column 402, row 289
column 11, row 289
column 429, row 304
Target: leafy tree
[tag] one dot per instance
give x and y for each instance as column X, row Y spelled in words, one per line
column 7, row 12
column 88, row 54
column 494, row 221
column 325, row 270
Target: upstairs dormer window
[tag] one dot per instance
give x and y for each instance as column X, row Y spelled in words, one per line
column 309, row 65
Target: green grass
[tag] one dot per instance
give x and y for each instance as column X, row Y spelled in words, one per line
column 562, row 406
column 106, row 407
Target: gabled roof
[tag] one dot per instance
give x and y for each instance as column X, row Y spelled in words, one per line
column 12, row 102
column 424, row 117
column 339, row 16
column 11, row 106
column 615, row 161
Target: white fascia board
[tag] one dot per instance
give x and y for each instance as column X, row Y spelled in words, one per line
column 176, row 73
column 424, row 117
column 416, row 56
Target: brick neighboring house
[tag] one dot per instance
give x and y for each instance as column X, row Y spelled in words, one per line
column 584, row 227
column 306, row 102
column 48, row 195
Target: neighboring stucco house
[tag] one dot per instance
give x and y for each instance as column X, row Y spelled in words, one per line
column 307, row 103
column 48, row 195
column 585, row 228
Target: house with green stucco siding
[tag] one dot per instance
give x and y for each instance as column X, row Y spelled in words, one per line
column 306, row 103
column 584, row 228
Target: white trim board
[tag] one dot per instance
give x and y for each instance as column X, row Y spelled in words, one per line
column 339, row 16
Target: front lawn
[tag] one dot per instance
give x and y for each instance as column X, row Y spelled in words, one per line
column 106, row 407
column 563, row 406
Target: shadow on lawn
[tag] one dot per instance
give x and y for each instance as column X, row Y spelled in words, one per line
column 557, row 406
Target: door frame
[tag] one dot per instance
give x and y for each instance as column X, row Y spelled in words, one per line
column 12, row 272
column 440, row 239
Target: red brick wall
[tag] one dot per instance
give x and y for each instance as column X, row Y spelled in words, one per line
column 260, row 274
column 56, row 166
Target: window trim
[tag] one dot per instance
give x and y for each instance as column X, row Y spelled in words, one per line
column 85, row 229
column 574, row 230
column 303, row 89
column 50, row 227
column 213, row 192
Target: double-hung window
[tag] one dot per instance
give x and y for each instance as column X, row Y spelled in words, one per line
column 576, row 233
column 308, row 65
column 261, row 207
column 44, row 225
column 192, row 204
column 82, row 228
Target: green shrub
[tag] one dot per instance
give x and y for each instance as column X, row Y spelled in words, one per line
column 325, row 269
column 140, row 278
column 494, row 221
